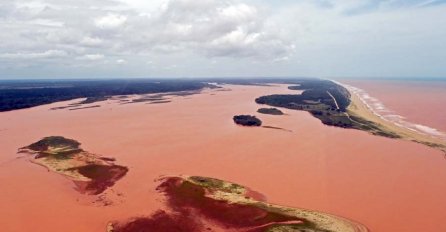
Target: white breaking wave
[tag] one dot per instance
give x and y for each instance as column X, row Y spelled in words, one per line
column 378, row 108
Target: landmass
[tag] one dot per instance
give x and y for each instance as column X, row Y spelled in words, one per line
column 196, row 204
column 271, row 111
column 26, row 94
column 277, row 128
column 330, row 102
column 334, row 105
column 90, row 100
column 159, row 102
column 87, row 107
column 91, row 173
column 247, row 120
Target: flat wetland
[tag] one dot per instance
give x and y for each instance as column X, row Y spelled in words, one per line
column 386, row 184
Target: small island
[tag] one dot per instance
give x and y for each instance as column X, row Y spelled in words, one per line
column 271, row 111
column 196, row 204
column 247, row 120
column 92, row 174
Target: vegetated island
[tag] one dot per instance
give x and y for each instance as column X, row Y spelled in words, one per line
column 271, row 111
column 91, row 173
column 198, row 204
column 247, row 120
column 334, row 105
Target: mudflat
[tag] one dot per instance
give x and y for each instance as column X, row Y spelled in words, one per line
column 382, row 183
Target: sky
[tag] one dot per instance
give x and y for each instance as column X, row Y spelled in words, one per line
column 222, row 38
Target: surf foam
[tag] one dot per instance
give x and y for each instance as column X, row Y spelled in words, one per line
column 379, row 109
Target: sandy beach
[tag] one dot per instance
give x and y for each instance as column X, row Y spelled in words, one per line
column 361, row 109
column 386, row 184
column 418, row 102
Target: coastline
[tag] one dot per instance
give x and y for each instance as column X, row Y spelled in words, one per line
column 359, row 108
column 381, row 110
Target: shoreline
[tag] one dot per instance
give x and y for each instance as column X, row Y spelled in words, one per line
column 393, row 117
column 359, row 108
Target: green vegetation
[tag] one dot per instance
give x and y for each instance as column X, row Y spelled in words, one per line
column 56, row 147
column 326, row 101
column 247, row 120
column 271, row 111
column 25, row 94
column 215, row 184
column 90, row 100
column 93, row 174
column 55, row 142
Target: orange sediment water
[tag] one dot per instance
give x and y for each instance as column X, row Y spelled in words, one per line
column 386, row 184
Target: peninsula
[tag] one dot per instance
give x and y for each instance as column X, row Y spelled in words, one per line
column 335, row 105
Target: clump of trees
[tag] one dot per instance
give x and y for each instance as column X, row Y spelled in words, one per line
column 272, row 111
column 247, row 120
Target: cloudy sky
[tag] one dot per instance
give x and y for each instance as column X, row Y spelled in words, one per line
column 222, row 38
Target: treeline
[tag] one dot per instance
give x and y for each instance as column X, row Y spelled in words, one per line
column 316, row 92
column 25, row 94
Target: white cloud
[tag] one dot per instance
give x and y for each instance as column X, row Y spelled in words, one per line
column 121, row 61
column 46, row 22
column 239, row 12
column 245, row 37
column 110, row 21
column 91, row 41
column 202, row 28
column 34, row 55
column 215, row 29
column 92, row 57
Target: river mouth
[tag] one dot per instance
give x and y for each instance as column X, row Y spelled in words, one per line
column 350, row 173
